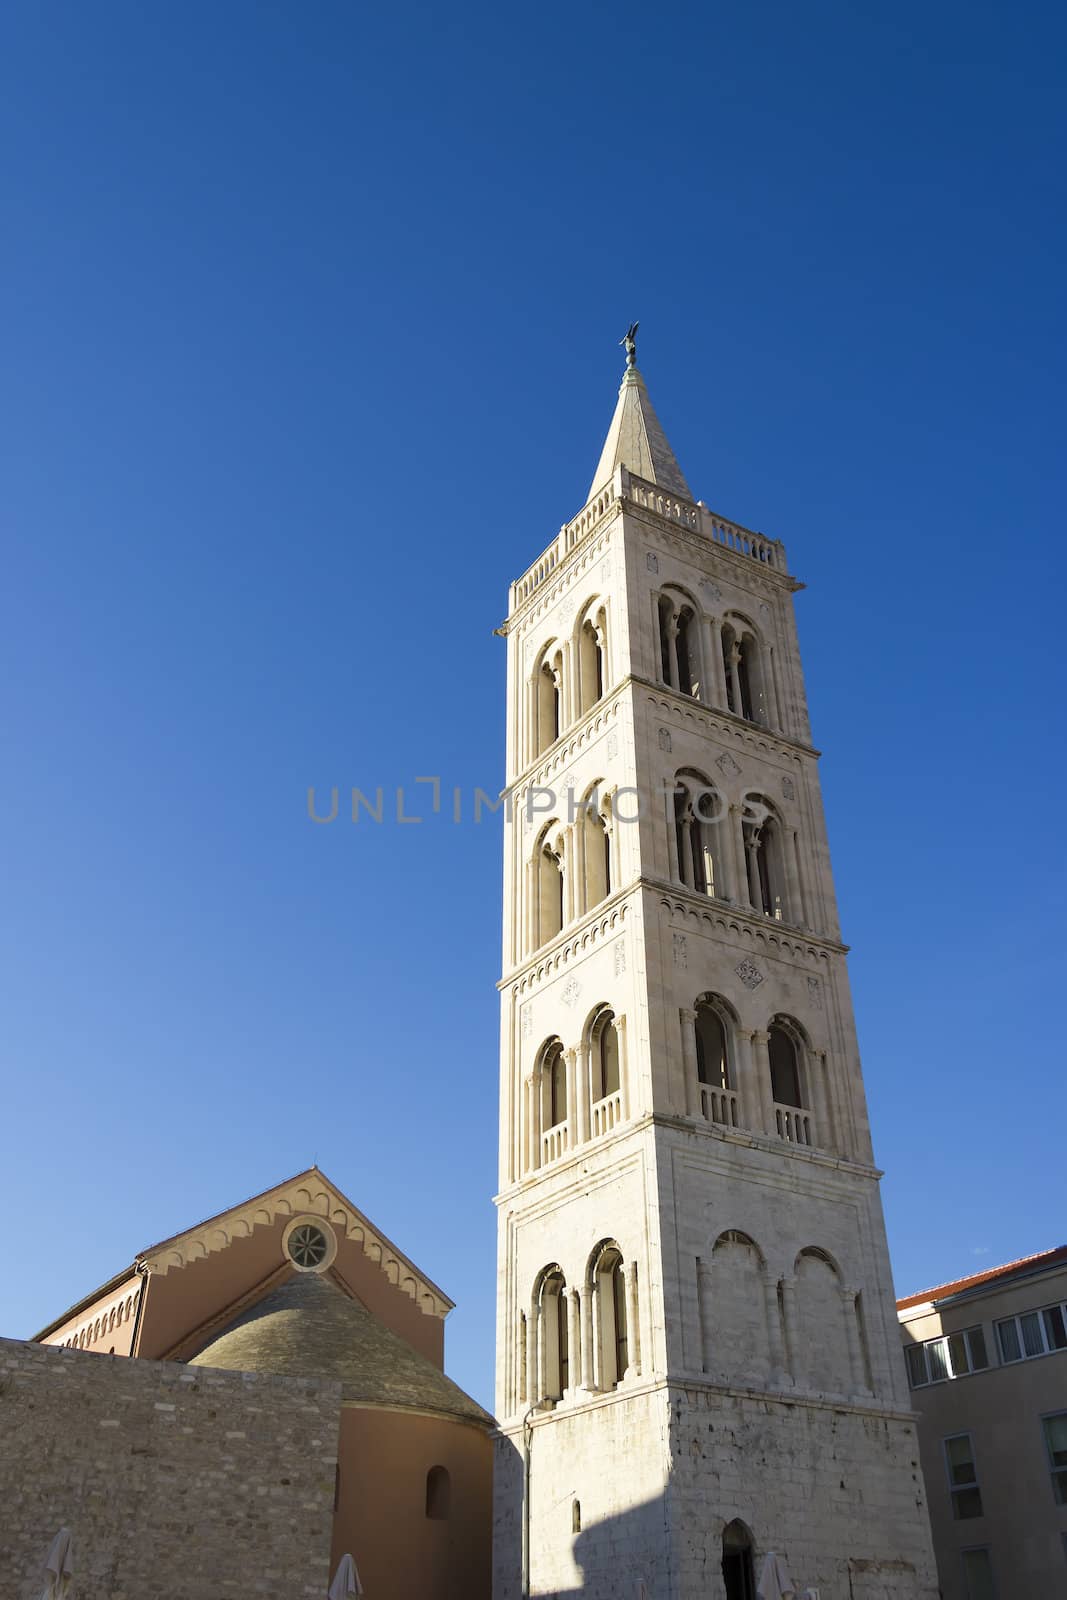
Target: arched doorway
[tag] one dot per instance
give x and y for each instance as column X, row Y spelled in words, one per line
column 737, row 1570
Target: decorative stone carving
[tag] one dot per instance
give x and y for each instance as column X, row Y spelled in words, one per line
column 605, row 569
column 665, row 738
column 789, row 788
column 571, row 990
column 815, row 993
column 712, row 590
column 748, row 972
column 652, row 561
column 566, row 610
column 764, row 609
column 613, row 746
column 526, row 1020
column 727, row 765
column 681, row 951
column 620, row 957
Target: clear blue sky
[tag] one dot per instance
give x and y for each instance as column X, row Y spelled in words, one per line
column 310, row 345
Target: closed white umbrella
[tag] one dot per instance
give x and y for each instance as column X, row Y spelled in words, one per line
column 345, row 1580
column 59, row 1567
column 774, row 1581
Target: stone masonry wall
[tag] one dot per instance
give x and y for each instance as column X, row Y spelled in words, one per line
column 839, row 1493
column 178, row 1484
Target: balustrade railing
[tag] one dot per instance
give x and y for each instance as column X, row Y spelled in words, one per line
column 606, row 1113
column 719, row 1105
column 651, row 497
column 793, row 1124
column 553, row 1143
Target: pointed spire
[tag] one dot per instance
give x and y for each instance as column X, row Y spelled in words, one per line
column 635, row 439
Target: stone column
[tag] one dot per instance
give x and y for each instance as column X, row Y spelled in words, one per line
column 672, row 649
column 574, row 1341
column 708, row 680
column 687, row 850
column 624, row 1068
column 585, row 1296
column 704, row 1312
column 597, row 1367
column 743, row 1079
column 674, row 866
column 794, row 905
column 581, row 1055
column 718, row 664
column 690, row 1068
column 755, row 888
column 761, row 1072
column 581, row 879
column 849, row 1309
column 634, row 1313
column 571, row 1058
column 740, row 872
column 735, row 680
column 789, row 1311
column 533, row 1379
column 822, row 1133
column 779, row 1364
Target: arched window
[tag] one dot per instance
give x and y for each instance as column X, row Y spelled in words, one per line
column 609, row 1286
column 738, row 1574
column 548, row 699
column 549, row 884
column 679, row 644
column 606, row 1064
column 785, row 1067
column 592, row 669
column 555, row 1080
column 713, row 1064
column 698, row 833
column 596, row 841
column 553, row 1324
column 438, row 1494
column 764, row 846
column 747, row 673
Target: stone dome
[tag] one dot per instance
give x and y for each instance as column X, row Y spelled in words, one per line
column 309, row 1327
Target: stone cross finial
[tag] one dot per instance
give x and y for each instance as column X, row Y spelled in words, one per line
column 630, row 341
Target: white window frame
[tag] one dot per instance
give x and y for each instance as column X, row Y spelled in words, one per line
column 966, row 1334
column 974, row 1549
column 1047, row 1349
column 1058, row 1474
column 955, row 1489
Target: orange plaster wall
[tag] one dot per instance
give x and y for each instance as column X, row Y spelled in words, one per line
column 182, row 1299
column 381, row 1519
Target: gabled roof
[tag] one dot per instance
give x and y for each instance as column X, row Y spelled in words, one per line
column 309, row 1326
column 1024, row 1267
column 637, row 442
column 309, row 1191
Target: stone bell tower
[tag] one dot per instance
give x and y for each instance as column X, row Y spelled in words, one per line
column 697, row 1352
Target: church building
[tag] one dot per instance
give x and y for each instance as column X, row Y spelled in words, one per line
column 698, row 1360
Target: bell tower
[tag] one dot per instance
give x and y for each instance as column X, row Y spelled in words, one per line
column 698, row 1359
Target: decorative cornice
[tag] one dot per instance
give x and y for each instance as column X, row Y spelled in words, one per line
column 314, row 1195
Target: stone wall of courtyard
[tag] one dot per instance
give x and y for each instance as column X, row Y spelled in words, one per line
column 178, row 1483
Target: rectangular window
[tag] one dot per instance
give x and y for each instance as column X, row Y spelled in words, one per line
column 952, row 1356
column 978, row 1575
column 1056, row 1443
column 962, row 1477
column 1034, row 1333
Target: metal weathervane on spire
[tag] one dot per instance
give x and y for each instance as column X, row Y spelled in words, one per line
column 630, row 342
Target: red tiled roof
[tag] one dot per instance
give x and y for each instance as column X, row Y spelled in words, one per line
column 1044, row 1258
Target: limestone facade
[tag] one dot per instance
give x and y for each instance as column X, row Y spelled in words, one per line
column 696, row 1335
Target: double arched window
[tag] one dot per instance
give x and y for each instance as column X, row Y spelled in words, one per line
column 604, row 1041
column 713, row 1024
column 592, row 657
column 554, row 1341
column 765, row 858
column 699, row 831
column 608, row 1280
column 554, row 1084
column 548, row 698
column 786, row 1059
column 679, row 643
column 549, row 908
